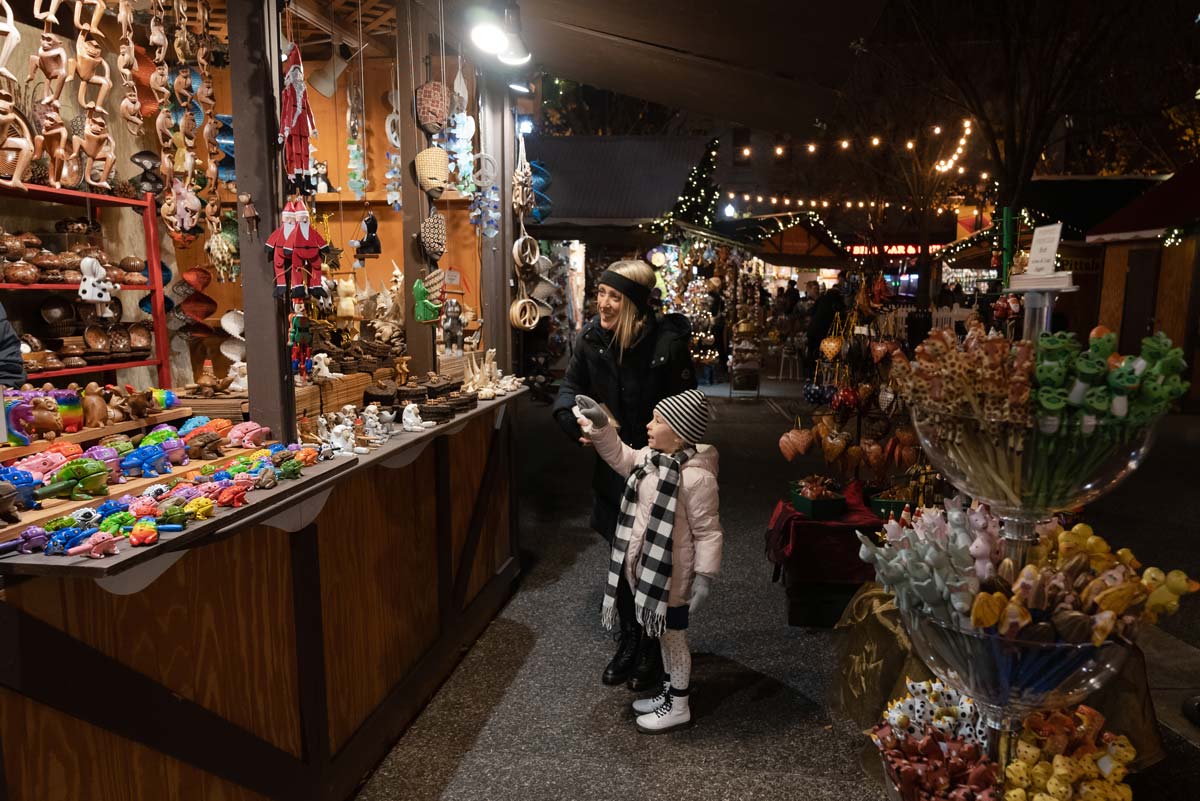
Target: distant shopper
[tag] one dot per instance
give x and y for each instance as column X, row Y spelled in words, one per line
column 12, row 368
column 792, row 294
column 668, row 539
column 627, row 358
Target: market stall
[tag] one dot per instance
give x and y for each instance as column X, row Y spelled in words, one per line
column 258, row 494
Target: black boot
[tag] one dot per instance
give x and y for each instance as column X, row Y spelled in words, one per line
column 621, row 666
column 648, row 674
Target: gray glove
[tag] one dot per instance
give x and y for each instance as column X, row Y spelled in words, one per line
column 591, row 411
column 701, row 586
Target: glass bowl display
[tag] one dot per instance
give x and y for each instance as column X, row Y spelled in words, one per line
column 1033, row 471
column 1010, row 678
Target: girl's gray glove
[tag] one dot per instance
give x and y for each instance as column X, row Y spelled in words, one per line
column 591, row 411
column 701, row 586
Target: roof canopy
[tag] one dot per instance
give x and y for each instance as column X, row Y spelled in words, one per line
column 766, row 65
column 1172, row 204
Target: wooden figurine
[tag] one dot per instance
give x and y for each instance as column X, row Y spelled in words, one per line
column 131, row 113
column 12, row 37
column 49, row 16
column 92, row 70
column 158, row 40
column 95, row 410
column 183, row 85
column 53, row 141
column 204, row 97
column 248, row 214
column 51, row 59
column 158, row 85
column 97, row 144
column 296, row 124
column 91, row 26
column 163, row 125
column 187, row 128
column 14, row 138
column 126, row 63
column 402, row 369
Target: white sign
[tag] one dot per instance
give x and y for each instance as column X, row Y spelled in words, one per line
column 1044, row 249
column 453, row 278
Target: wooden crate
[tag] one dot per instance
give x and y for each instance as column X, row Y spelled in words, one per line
column 232, row 407
column 329, row 396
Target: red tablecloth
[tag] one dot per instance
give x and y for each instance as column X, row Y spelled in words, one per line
column 822, row 550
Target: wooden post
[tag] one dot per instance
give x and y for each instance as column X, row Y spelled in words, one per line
column 411, row 26
column 254, row 86
column 496, row 268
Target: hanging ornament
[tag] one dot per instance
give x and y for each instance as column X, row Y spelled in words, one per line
column 368, row 245
column 433, row 106
column 357, row 161
column 296, row 124
column 395, row 178
column 307, row 247
column 484, row 211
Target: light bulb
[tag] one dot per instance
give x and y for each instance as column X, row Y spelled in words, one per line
column 874, row 141
column 489, row 36
column 909, row 144
column 730, row 211
column 812, row 148
column 774, row 200
column 983, row 175
column 758, row 199
column 746, row 198
column 845, row 144
column 937, row 129
column 778, row 150
column 745, row 151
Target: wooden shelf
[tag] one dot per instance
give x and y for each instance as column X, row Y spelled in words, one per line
column 347, row 198
column 71, row 287
column 91, row 368
column 71, row 196
column 88, row 435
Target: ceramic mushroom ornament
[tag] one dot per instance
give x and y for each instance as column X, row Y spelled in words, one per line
column 15, row 139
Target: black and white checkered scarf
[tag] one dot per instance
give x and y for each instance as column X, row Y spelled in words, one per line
column 653, row 571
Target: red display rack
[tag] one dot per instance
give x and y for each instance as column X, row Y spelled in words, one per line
column 149, row 212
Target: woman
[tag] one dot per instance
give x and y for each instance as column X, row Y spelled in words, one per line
column 628, row 359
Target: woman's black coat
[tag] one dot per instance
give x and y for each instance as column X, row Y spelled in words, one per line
column 656, row 366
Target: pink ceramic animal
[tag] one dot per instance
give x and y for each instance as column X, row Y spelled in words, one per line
column 39, row 464
column 247, row 435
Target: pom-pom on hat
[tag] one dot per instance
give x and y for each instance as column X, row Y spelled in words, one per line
column 686, row 413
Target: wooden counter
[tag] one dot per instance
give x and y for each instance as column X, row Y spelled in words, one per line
column 280, row 649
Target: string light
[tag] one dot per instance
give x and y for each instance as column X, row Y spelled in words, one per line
column 845, row 144
column 731, row 195
column 746, row 151
column 787, row 201
column 778, row 150
column 812, row 148
column 937, row 129
column 758, row 199
column 746, row 198
column 874, row 141
column 983, row 175
column 909, row 144
column 774, row 201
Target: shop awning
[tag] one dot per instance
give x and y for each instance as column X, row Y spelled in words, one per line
column 613, row 180
column 1172, row 204
column 766, row 65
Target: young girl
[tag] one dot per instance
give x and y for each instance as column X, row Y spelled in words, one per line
column 668, row 537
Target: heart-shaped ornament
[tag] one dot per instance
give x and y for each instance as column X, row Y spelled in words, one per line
column 804, row 440
column 879, row 350
column 835, row 445
column 831, row 347
column 787, row 447
column 872, row 453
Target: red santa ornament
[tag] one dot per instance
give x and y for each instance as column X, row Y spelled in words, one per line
column 296, row 124
column 307, row 247
column 279, row 249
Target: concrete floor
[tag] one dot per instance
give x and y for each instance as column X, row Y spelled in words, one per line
column 525, row 716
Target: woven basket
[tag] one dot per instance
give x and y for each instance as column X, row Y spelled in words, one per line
column 433, row 170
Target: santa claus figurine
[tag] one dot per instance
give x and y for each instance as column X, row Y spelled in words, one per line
column 307, row 248
column 278, row 247
column 296, row 124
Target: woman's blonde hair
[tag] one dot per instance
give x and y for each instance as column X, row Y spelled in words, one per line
column 629, row 319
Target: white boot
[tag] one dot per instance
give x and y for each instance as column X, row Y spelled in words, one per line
column 671, row 715
column 644, row 705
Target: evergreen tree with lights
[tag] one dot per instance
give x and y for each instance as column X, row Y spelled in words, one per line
column 698, row 202
column 698, row 307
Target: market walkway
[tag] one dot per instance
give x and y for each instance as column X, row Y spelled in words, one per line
column 525, row 716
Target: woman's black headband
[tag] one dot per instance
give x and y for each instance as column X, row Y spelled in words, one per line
column 638, row 293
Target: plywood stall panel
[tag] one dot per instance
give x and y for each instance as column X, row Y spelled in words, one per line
column 1175, row 289
column 1112, row 294
column 469, row 451
column 217, row 628
column 378, row 553
column 62, row 758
